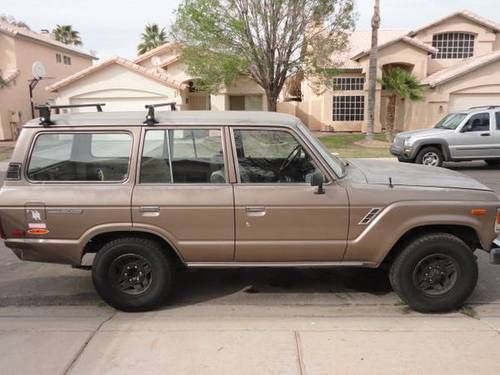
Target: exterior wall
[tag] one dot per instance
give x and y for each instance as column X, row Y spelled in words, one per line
column 118, row 84
column 20, row 53
column 486, row 40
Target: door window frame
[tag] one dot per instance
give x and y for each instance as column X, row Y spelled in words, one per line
column 34, row 139
column 145, row 129
column 318, row 161
column 460, row 129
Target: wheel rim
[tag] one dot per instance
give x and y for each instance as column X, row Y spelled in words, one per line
column 436, row 274
column 430, row 158
column 131, row 274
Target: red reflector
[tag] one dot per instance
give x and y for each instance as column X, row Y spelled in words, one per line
column 17, row 232
column 498, row 218
column 478, row 212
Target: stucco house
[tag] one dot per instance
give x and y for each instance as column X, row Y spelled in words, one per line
column 456, row 58
column 19, row 49
column 154, row 77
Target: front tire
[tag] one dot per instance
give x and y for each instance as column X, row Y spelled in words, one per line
column 434, row 273
column 133, row 274
column 431, row 156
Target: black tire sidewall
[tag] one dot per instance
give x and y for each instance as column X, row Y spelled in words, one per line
column 402, row 275
column 162, row 274
column 425, row 150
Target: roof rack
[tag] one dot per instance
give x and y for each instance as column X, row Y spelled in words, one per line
column 485, row 106
column 150, row 116
column 45, row 110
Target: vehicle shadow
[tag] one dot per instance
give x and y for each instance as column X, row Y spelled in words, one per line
column 198, row 286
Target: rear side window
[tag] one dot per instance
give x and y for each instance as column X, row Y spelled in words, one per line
column 80, row 157
column 183, row 156
column 497, row 117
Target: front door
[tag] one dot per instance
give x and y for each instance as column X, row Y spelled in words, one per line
column 279, row 218
column 474, row 140
column 182, row 192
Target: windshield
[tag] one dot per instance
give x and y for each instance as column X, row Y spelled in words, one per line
column 451, row 121
column 336, row 163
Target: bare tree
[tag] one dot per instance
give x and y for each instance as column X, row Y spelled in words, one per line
column 269, row 40
column 372, row 71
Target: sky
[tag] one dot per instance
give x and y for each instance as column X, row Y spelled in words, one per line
column 113, row 27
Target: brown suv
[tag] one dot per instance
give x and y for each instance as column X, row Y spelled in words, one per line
column 234, row 189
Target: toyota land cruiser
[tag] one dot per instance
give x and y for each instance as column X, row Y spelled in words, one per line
column 234, row 189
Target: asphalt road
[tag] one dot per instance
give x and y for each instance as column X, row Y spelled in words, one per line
column 27, row 283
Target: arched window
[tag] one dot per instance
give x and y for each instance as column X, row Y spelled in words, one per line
column 454, row 45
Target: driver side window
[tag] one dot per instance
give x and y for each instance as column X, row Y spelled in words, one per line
column 272, row 156
column 478, row 123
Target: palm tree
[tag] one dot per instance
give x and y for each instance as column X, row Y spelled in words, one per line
column 152, row 37
column 372, row 71
column 400, row 83
column 65, row 34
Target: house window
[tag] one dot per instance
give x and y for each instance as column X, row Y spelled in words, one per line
column 453, row 45
column 58, row 58
column 348, row 108
column 348, row 83
column 67, row 60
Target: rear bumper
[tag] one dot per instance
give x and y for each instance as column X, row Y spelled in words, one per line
column 50, row 251
column 495, row 252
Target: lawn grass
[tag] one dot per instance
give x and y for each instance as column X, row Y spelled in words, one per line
column 344, row 145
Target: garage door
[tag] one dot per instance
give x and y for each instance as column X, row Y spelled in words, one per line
column 459, row 102
column 118, row 104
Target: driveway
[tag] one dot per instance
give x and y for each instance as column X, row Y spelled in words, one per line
column 245, row 321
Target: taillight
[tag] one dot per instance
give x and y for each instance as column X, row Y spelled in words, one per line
column 2, row 233
column 497, row 222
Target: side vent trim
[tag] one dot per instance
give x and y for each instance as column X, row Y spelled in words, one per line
column 370, row 216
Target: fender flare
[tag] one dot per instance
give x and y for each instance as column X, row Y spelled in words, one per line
column 445, row 147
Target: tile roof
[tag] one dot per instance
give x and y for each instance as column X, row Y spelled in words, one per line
column 466, row 14
column 405, row 39
column 458, row 70
column 155, row 51
column 9, row 29
column 159, row 76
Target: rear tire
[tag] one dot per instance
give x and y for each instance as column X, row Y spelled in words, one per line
column 434, row 273
column 431, row 156
column 133, row 274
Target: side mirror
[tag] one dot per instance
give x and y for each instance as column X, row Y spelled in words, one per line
column 318, row 180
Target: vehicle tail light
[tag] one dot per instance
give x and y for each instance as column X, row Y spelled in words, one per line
column 2, row 233
column 497, row 222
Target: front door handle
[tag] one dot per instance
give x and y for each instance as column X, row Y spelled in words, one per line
column 149, row 210
column 255, row 211
column 485, row 134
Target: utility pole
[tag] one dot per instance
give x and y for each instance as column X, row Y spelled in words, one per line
column 372, row 71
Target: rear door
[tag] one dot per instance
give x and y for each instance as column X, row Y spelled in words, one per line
column 279, row 217
column 495, row 135
column 474, row 140
column 183, row 193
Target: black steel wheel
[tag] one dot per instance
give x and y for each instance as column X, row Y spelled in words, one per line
column 133, row 274
column 435, row 272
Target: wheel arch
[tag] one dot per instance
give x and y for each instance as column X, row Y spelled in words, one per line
column 466, row 233
column 441, row 144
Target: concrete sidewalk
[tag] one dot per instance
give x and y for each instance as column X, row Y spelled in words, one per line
column 247, row 340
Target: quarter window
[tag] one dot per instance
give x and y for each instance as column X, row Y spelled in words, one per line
column 183, row 156
column 453, row 45
column 348, row 83
column 348, row 108
column 272, row 156
column 80, row 157
column 497, row 118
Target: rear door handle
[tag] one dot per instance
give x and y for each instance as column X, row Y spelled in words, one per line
column 485, row 134
column 255, row 211
column 150, row 210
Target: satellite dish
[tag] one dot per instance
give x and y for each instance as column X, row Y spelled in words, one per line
column 38, row 70
column 155, row 61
